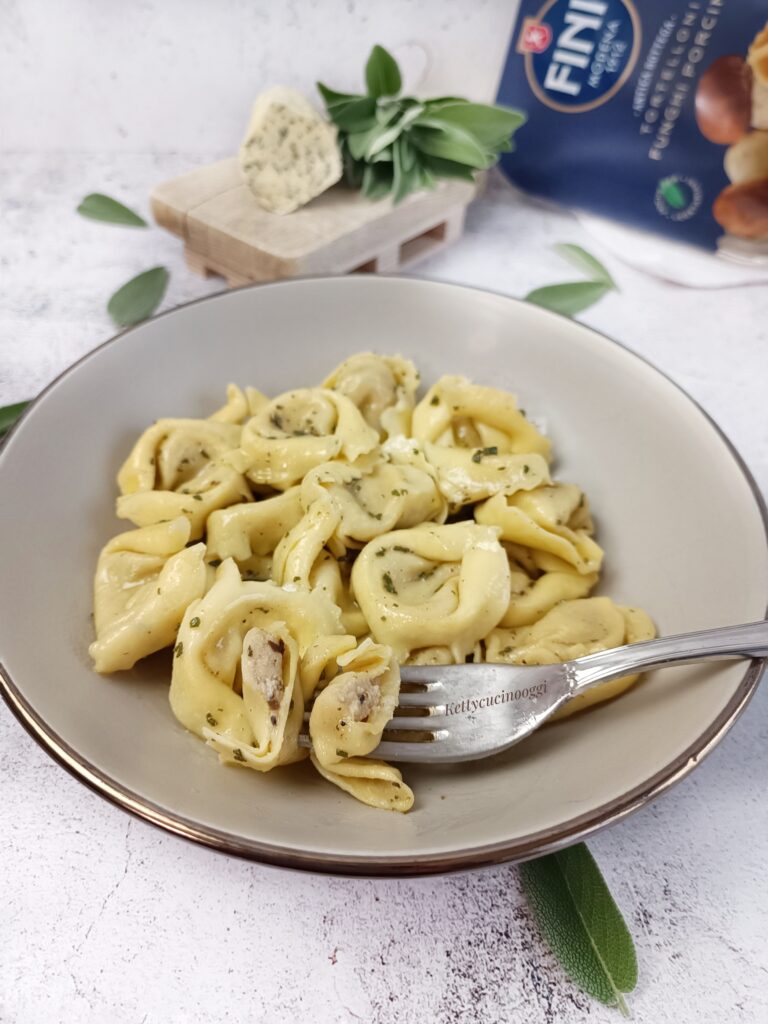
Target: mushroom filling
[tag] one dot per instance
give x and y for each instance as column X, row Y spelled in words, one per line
column 360, row 697
column 262, row 666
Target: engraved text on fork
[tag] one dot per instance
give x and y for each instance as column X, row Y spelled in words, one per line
column 471, row 704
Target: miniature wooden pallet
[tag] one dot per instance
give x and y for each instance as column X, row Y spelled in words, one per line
column 226, row 232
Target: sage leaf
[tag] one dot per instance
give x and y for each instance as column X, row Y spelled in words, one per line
column 350, row 113
column 356, row 116
column 9, row 414
column 439, row 101
column 377, row 180
column 446, row 168
column 386, row 136
column 440, row 138
column 388, row 110
column 359, row 142
column 569, row 299
column 334, row 99
column 491, row 126
column 409, row 158
column 138, row 298
column 382, row 75
column 583, row 260
column 383, row 154
column 579, row 919
column 100, row 207
column 406, row 175
column 353, row 169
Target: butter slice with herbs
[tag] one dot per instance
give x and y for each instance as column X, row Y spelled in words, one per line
column 290, row 153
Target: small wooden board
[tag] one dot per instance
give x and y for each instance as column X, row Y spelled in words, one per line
column 226, row 232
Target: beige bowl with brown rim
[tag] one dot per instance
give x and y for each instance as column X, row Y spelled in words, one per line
column 678, row 515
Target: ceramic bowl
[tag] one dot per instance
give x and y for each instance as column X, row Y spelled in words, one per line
column 676, row 511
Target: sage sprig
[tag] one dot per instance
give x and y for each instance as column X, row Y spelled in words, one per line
column 575, row 296
column 395, row 145
column 138, row 298
column 579, row 919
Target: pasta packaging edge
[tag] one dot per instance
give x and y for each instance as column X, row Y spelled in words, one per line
column 652, row 114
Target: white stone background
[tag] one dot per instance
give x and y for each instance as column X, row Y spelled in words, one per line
column 105, row 918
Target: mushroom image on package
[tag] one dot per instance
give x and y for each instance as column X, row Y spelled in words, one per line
column 653, row 114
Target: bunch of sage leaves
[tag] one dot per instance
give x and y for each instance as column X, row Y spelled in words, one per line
column 395, row 145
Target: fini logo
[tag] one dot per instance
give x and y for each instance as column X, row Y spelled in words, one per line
column 579, row 53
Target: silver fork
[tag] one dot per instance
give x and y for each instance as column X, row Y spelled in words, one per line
column 466, row 712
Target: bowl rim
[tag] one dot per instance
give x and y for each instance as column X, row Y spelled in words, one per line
column 537, row 844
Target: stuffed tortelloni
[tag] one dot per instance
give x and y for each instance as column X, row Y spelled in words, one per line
column 346, row 724
column 296, row 432
column 236, row 669
column 145, row 579
column 571, row 630
column 433, row 586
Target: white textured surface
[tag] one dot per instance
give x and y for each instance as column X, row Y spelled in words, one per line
column 105, row 918
column 133, row 69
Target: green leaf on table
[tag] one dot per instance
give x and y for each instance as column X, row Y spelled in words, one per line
column 582, row 924
column 382, row 75
column 138, row 298
column 9, row 414
column 100, row 207
column 583, row 260
column 568, row 299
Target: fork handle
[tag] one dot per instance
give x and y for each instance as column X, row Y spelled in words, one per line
column 747, row 641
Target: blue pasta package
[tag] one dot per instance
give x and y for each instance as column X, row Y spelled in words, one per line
column 654, row 114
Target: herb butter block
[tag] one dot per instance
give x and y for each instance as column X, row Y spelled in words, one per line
column 290, row 154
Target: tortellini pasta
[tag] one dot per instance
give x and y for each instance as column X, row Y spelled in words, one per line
column 372, row 499
column 171, row 452
column 430, row 586
column 552, row 519
column 249, row 533
column 538, row 582
column 348, row 504
column 382, row 387
column 240, row 405
column 298, row 431
column 293, row 552
column 456, row 413
column 346, row 724
column 145, row 580
column 215, row 486
column 572, row 630
column 468, row 475
column 228, row 686
column 479, row 442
